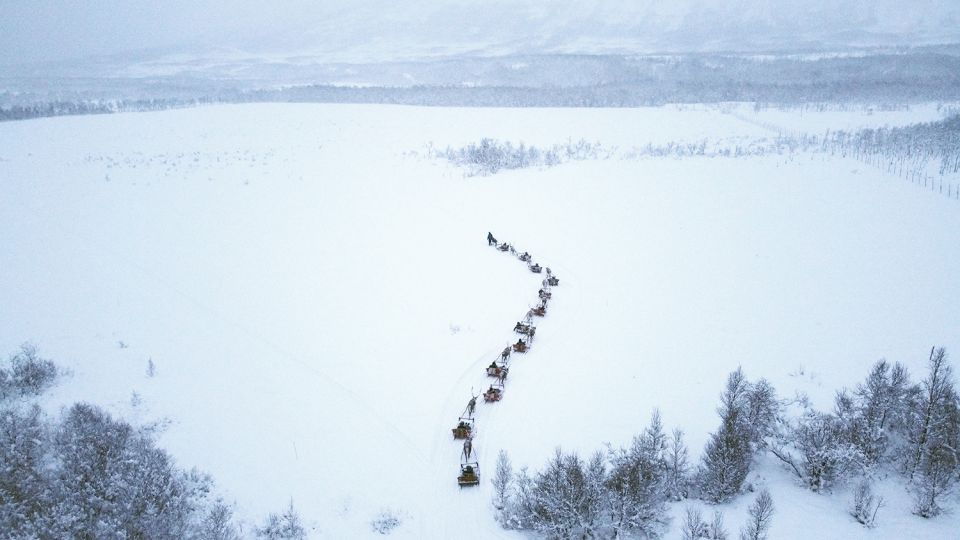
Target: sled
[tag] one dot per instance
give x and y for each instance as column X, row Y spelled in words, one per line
column 469, row 474
column 535, row 268
column 525, row 257
column 504, row 247
column 522, row 328
column 553, row 281
column 464, row 429
column 520, row 346
column 497, row 371
column 494, row 393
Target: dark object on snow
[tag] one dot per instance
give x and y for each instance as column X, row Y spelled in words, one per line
column 504, row 247
column 464, row 429
column 469, row 474
column 494, row 393
column 499, row 372
column 525, row 257
column 520, row 346
column 521, row 328
column 491, row 241
column 545, row 294
column 471, row 406
column 535, row 268
column 553, row 281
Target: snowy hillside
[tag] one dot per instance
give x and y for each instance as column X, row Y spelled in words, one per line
column 318, row 300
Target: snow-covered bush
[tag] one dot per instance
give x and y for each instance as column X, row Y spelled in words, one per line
column 26, row 373
column 385, row 522
column 216, row 524
column 695, row 528
column 865, row 504
column 286, row 526
column 618, row 493
column 490, row 156
column 88, row 475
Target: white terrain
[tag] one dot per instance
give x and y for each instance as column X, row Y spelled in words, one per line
column 317, row 298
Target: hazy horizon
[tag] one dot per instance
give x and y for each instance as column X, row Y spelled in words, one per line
column 373, row 30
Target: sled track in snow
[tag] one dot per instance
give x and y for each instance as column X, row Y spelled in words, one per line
column 465, row 428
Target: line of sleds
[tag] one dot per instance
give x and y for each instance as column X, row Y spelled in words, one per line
column 469, row 466
column 499, row 368
column 525, row 257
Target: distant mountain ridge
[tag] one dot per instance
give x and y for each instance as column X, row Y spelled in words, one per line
column 370, row 31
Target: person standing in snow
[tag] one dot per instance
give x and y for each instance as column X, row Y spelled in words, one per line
column 491, row 241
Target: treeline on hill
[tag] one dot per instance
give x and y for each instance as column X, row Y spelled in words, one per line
column 906, row 151
column 545, row 81
column 886, row 424
column 87, row 475
column 70, row 108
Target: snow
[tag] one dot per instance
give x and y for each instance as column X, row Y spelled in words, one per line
column 319, row 301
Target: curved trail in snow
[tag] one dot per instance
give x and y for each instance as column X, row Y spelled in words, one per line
column 462, row 514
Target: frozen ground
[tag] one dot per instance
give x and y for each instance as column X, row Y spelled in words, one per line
column 318, row 298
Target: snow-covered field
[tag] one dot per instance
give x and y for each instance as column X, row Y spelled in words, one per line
column 318, row 298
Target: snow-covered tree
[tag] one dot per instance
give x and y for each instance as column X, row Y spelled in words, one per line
column 934, row 429
column 502, row 481
column 693, row 526
column 24, row 481
column 26, row 373
column 726, row 461
column 560, row 496
column 823, row 455
column 286, row 526
column 760, row 514
column 865, row 504
column 637, row 483
column 927, row 416
column 521, row 512
column 727, row 456
column 715, row 529
column 882, row 407
column 761, row 411
column 677, row 478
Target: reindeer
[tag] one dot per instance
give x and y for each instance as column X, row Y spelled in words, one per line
column 471, row 405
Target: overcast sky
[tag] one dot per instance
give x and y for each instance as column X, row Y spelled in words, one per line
column 38, row 30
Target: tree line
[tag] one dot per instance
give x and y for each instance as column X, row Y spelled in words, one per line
column 886, row 424
column 87, row 475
